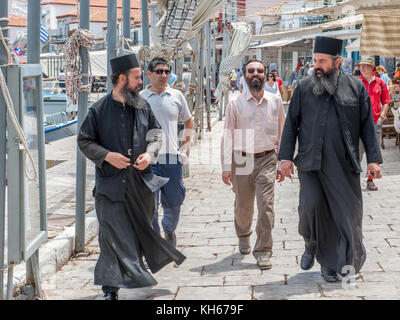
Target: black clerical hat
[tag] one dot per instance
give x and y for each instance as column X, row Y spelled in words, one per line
column 124, row 63
column 327, row 45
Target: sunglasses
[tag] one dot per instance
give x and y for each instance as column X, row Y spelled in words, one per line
column 160, row 71
column 252, row 70
column 270, row 76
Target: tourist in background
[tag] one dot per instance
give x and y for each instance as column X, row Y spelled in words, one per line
column 271, row 85
column 383, row 74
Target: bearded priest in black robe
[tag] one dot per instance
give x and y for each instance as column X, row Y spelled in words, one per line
column 122, row 137
column 328, row 114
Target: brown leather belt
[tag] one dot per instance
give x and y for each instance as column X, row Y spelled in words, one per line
column 256, row 155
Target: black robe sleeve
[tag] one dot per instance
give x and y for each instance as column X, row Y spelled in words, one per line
column 367, row 129
column 88, row 140
column 291, row 127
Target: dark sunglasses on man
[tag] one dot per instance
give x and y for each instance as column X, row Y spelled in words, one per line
column 160, row 71
column 252, row 70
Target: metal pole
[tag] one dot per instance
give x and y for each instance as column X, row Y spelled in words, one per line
column 146, row 36
column 208, row 106
column 224, row 100
column 3, row 114
column 34, row 21
column 112, row 38
column 214, row 55
column 80, row 158
column 201, row 80
column 154, row 20
column 126, row 25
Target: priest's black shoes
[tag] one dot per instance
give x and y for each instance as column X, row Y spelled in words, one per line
column 328, row 274
column 307, row 259
column 111, row 296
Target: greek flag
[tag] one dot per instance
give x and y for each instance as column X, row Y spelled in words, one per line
column 18, row 51
column 44, row 35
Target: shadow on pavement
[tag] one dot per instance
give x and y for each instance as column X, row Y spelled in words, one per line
column 230, row 263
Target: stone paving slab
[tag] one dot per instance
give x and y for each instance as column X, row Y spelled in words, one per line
column 214, row 269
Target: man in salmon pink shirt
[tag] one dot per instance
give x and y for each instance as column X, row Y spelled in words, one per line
column 380, row 99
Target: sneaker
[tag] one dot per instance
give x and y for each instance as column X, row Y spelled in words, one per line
column 264, row 262
column 244, row 246
column 171, row 238
column 371, row 185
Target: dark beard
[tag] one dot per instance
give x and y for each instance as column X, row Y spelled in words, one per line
column 255, row 85
column 131, row 97
column 325, row 84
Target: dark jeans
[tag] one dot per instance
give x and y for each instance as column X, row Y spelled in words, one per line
column 172, row 194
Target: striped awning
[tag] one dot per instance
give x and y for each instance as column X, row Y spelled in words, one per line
column 380, row 36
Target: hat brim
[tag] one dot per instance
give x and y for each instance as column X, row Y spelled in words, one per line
column 367, row 63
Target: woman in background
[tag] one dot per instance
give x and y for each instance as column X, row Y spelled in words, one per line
column 383, row 75
column 271, row 85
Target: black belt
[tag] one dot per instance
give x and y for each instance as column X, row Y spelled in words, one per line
column 256, row 155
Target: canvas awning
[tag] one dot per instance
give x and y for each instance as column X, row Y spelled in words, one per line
column 349, row 7
column 381, row 36
column 354, row 46
column 276, row 44
column 341, row 23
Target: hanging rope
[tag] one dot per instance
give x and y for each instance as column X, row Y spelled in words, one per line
column 10, row 109
column 80, row 38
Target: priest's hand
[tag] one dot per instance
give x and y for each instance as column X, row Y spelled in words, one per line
column 374, row 170
column 279, row 176
column 117, row 160
column 143, row 161
column 227, row 177
column 287, row 169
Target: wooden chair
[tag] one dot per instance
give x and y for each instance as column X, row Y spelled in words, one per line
column 396, row 118
column 388, row 130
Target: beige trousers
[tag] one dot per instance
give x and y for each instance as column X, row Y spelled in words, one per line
column 258, row 183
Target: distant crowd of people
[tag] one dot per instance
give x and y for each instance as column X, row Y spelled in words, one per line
column 272, row 82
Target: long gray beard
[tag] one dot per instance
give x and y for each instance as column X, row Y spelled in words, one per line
column 326, row 84
column 131, row 97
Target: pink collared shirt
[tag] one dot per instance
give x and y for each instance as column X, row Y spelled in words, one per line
column 252, row 126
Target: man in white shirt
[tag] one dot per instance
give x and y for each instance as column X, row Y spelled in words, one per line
column 169, row 106
column 186, row 77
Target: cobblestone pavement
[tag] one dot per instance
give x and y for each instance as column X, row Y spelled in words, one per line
column 214, row 269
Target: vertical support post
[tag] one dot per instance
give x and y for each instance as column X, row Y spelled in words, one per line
column 214, row 56
column 154, row 21
column 3, row 114
column 126, row 25
column 34, row 21
column 201, row 82
column 112, row 38
column 208, row 66
column 146, row 36
column 224, row 100
column 80, row 158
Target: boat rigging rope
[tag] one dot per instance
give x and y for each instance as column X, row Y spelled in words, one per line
column 10, row 109
column 80, row 38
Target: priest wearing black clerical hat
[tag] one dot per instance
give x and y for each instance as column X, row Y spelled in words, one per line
column 122, row 137
column 328, row 114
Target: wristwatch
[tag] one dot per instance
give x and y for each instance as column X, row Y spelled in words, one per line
column 383, row 117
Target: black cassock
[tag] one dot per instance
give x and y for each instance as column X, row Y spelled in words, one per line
column 328, row 129
column 125, row 199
